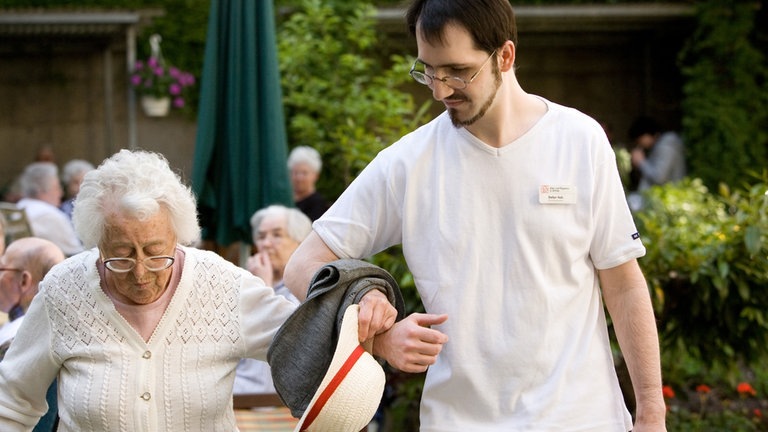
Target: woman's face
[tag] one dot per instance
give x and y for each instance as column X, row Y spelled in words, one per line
column 127, row 237
column 73, row 187
column 272, row 237
column 303, row 178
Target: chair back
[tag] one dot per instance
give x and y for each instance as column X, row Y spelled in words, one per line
column 16, row 222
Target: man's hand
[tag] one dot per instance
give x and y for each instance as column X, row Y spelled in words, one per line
column 411, row 345
column 638, row 156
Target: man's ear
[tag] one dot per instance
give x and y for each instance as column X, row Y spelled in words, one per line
column 26, row 281
column 507, row 54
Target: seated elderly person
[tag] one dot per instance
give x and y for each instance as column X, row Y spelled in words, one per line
column 23, row 266
column 305, row 164
column 277, row 231
column 71, row 177
column 142, row 331
column 41, row 191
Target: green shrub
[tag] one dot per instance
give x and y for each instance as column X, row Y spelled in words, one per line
column 706, row 267
column 725, row 104
column 339, row 96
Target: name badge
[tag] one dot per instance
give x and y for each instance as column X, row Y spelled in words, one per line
column 557, row 194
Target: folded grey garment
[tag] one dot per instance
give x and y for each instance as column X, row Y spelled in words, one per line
column 303, row 347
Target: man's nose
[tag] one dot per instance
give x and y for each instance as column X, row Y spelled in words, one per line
column 440, row 90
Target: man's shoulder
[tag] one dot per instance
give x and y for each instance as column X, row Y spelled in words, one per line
column 421, row 138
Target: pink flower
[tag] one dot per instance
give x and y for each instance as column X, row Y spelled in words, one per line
column 174, row 89
column 153, row 77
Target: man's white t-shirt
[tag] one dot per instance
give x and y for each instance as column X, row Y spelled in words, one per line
column 506, row 241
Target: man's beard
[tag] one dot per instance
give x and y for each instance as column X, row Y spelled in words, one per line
column 453, row 114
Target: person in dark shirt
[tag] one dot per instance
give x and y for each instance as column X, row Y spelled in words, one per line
column 304, row 165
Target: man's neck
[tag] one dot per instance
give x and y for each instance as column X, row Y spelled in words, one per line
column 513, row 114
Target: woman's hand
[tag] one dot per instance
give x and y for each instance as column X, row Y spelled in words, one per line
column 260, row 265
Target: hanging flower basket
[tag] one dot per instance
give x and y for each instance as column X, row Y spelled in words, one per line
column 156, row 106
column 159, row 85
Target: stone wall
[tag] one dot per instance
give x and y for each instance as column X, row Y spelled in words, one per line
column 53, row 93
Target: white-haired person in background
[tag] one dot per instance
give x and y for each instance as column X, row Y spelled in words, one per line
column 141, row 331
column 305, row 164
column 277, row 231
column 41, row 192
column 71, row 177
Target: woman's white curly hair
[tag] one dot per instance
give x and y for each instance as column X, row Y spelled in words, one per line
column 136, row 184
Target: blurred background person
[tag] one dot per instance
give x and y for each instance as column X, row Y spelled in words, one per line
column 41, row 196
column 45, row 153
column 659, row 157
column 277, row 231
column 22, row 267
column 25, row 264
column 71, row 177
column 304, row 165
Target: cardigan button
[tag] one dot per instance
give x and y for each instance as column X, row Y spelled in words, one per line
column 146, row 396
column 146, row 355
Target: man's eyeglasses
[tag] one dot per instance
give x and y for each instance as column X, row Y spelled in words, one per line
column 453, row 82
column 153, row 263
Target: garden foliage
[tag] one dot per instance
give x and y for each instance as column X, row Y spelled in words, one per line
column 338, row 95
column 725, row 105
column 706, row 266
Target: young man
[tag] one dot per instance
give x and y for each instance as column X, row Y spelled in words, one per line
column 513, row 222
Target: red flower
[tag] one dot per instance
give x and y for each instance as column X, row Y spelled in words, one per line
column 668, row 392
column 745, row 388
column 757, row 413
column 703, row 388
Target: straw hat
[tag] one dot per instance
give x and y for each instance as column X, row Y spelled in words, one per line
column 351, row 390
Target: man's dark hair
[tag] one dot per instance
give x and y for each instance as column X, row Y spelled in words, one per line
column 490, row 22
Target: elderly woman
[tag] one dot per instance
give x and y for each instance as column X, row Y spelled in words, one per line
column 71, row 177
column 143, row 332
column 305, row 164
column 277, row 231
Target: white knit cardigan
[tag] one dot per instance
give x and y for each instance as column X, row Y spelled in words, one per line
column 110, row 379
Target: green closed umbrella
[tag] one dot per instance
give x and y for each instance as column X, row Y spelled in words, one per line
column 240, row 155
